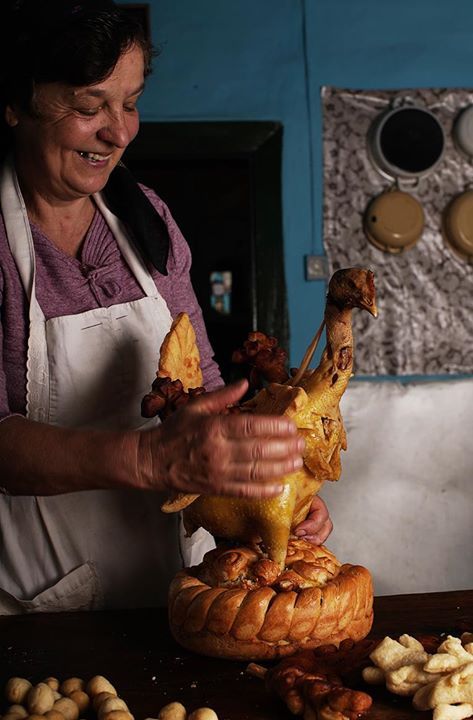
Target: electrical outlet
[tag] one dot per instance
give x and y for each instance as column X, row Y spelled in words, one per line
column 316, row 267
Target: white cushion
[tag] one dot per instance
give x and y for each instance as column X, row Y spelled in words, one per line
column 403, row 506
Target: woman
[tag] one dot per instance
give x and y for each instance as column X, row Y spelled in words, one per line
column 84, row 312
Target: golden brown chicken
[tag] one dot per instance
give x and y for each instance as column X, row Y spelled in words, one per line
column 267, row 594
column 311, row 399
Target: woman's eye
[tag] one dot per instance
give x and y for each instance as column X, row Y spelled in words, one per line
column 90, row 112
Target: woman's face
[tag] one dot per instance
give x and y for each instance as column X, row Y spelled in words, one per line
column 68, row 150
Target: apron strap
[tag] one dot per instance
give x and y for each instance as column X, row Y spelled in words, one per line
column 18, row 228
column 127, row 200
column 125, row 243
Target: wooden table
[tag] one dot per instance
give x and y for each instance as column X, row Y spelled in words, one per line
column 134, row 649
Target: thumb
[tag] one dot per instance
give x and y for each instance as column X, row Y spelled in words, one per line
column 217, row 400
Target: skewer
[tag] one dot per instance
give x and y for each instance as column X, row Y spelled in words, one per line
column 309, row 353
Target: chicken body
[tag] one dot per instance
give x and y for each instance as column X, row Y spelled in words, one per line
column 313, row 404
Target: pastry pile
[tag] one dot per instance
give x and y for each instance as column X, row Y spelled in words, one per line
column 442, row 681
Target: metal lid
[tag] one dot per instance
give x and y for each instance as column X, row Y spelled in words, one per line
column 462, row 131
column 406, row 142
column 394, row 221
column 458, row 225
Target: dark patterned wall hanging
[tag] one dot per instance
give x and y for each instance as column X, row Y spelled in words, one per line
column 425, row 292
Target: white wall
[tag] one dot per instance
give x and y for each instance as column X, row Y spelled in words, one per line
column 404, row 504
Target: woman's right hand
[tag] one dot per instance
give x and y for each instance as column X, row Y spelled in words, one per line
column 197, row 450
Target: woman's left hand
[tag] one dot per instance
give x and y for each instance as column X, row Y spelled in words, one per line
column 317, row 526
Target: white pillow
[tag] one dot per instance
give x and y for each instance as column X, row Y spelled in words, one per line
column 403, row 506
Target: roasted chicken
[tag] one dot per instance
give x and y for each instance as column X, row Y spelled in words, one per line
column 311, row 399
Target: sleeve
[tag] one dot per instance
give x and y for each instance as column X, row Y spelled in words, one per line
column 177, row 290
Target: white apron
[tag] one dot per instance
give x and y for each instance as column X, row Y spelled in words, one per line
column 100, row 548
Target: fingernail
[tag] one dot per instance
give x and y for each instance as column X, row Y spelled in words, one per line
column 301, row 445
column 300, row 533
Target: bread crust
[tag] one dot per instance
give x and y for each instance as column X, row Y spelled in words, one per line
column 268, row 622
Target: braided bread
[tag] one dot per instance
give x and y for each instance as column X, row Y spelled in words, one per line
column 237, row 605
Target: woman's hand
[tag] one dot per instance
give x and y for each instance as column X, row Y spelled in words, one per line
column 197, row 450
column 317, row 526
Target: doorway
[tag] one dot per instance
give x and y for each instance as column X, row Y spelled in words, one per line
column 222, row 183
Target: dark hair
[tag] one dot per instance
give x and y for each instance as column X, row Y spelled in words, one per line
column 71, row 41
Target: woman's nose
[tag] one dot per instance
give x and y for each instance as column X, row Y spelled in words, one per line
column 115, row 131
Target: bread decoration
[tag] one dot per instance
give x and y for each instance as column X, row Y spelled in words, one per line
column 237, row 605
column 178, row 379
column 316, row 683
column 248, row 619
column 441, row 680
column 179, row 375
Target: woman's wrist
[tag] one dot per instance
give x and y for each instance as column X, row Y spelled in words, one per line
column 147, row 466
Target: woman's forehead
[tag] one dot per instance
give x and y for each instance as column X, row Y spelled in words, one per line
column 127, row 77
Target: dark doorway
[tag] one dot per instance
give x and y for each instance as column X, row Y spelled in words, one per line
column 222, row 183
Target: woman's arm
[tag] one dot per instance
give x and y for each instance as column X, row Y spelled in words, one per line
column 41, row 459
column 196, row 450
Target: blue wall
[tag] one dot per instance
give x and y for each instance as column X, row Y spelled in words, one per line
column 266, row 60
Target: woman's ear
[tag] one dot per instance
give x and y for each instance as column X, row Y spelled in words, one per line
column 11, row 117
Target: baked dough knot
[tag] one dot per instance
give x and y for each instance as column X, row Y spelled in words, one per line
column 237, row 605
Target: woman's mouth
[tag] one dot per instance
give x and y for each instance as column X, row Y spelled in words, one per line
column 93, row 157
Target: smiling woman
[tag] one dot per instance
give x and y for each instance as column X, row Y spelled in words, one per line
column 80, row 55
column 69, row 103
column 93, row 269
column 68, row 145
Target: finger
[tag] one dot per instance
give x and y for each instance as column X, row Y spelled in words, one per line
column 315, row 520
column 318, row 505
column 255, row 479
column 217, row 400
column 319, row 537
column 318, row 509
column 253, row 426
column 268, row 449
column 274, row 469
column 256, row 492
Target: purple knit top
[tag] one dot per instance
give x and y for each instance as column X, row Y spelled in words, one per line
column 100, row 277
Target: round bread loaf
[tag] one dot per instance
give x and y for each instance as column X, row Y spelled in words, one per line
column 237, row 605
